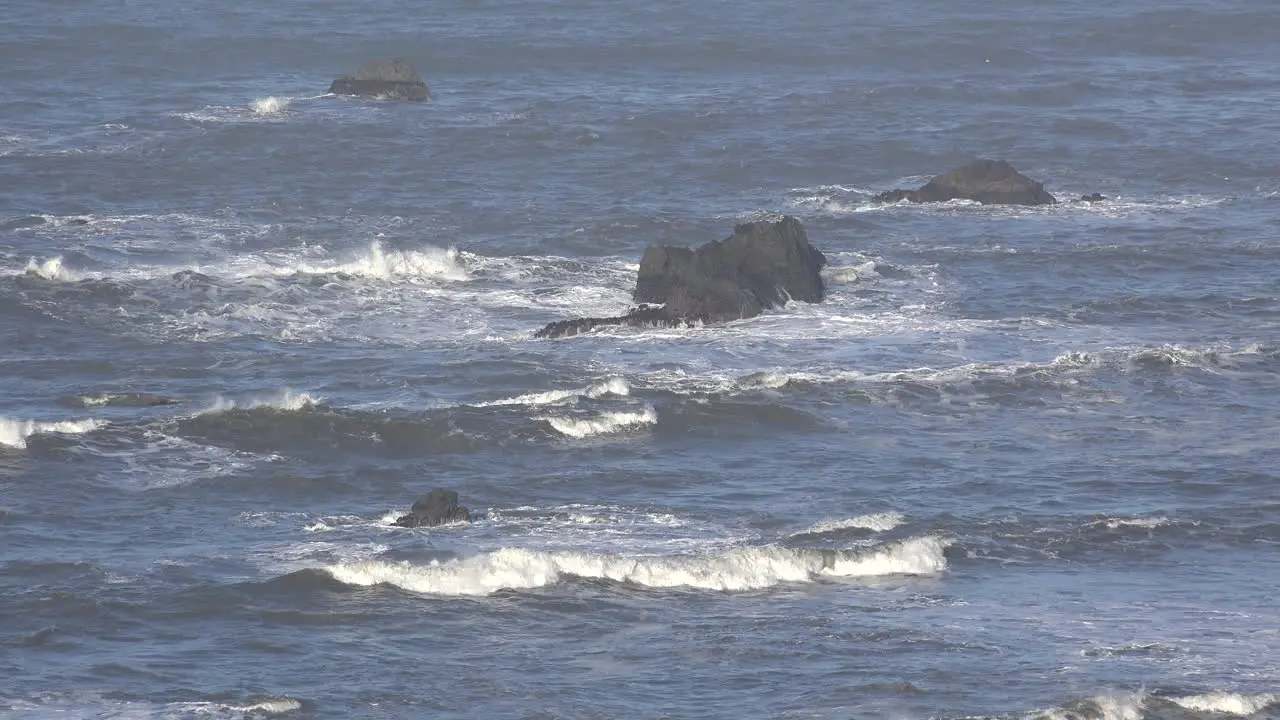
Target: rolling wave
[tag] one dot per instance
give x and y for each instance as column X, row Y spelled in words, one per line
column 611, row 386
column 604, row 423
column 735, row 570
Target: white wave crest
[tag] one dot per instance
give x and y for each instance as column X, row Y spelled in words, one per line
column 52, row 269
column 878, row 522
column 1230, row 703
column 612, row 386
column 735, row 570
column 381, row 264
column 14, row 433
column 286, row 400
column 603, row 424
column 914, row 556
column 269, row 105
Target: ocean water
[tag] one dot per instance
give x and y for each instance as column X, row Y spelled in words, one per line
column 1021, row 463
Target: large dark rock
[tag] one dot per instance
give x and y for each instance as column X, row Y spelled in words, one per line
column 435, row 508
column 991, row 182
column 761, row 266
column 384, row 79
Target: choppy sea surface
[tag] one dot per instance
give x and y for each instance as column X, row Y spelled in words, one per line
column 1021, row 463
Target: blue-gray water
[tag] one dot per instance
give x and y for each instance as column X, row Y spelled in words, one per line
column 1021, row 461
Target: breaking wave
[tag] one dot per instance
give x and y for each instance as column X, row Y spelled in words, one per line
column 14, row 433
column 603, row 424
column 1221, row 702
column 612, row 386
column 286, row 400
column 269, row 105
column 383, row 264
column 53, row 269
column 735, row 570
column 1144, row 706
column 376, row 262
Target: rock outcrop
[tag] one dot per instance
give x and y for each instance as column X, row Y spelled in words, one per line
column 435, row 508
column 991, row 182
column 383, row 79
column 761, row 266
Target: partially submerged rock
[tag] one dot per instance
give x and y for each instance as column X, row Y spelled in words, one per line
column 991, row 182
column 643, row 316
column 392, row 79
column 761, row 266
column 128, row 399
column 435, row 508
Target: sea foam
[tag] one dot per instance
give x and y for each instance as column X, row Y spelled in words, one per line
column 735, row 570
